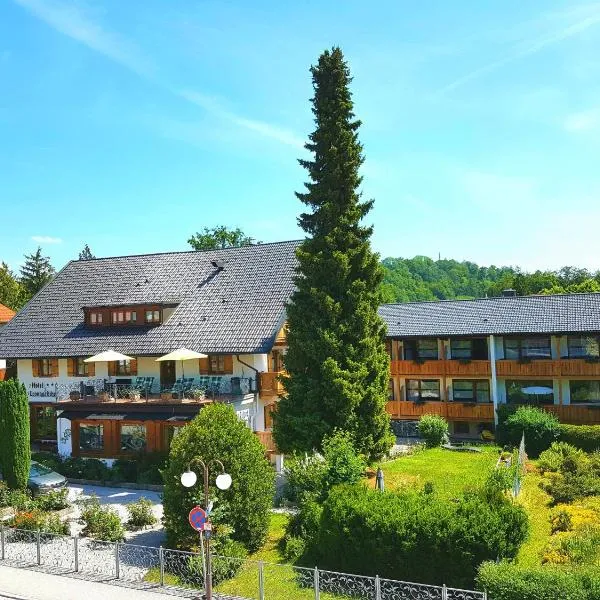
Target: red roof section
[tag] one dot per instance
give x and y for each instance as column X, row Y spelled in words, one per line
column 6, row 314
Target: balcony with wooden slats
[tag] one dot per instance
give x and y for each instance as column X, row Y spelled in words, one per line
column 270, row 385
column 534, row 368
column 439, row 368
column 579, row 368
column 455, row 411
column 575, row 414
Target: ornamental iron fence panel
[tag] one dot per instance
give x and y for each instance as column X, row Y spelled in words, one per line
column 183, row 572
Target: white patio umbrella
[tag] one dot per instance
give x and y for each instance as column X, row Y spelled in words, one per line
column 107, row 356
column 182, row 354
column 537, row 390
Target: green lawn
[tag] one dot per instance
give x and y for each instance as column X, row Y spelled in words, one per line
column 450, row 472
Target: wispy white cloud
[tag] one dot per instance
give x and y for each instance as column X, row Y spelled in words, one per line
column 534, row 44
column 46, row 239
column 210, row 104
column 582, row 122
column 72, row 21
column 80, row 26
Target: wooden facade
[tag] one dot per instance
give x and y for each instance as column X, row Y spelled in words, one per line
column 453, row 411
column 270, row 385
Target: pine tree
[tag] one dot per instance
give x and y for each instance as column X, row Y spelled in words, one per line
column 337, row 362
column 86, row 253
column 15, row 451
column 36, row 272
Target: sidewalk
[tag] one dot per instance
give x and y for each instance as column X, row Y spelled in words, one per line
column 25, row 584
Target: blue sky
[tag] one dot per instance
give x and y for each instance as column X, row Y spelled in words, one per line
column 130, row 125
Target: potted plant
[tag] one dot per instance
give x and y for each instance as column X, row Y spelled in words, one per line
column 103, row 396
column 74, row 395
column 134, row 394
column 198, row 394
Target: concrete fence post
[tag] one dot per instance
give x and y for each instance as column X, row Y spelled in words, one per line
column 261, row 580
column 2, row 541
column 161, row 560
column 76, row 552
column 316, row 584
column 444, row 592
column 38, row 547
column 377, row 588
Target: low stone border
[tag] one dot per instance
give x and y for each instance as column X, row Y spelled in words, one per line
column 132, row 486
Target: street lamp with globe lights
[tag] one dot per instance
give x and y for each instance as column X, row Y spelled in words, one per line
column 223, row 482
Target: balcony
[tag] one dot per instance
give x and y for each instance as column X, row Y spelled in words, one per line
column 533, row 368
column 575, row 414
column 455, row 411
column 579, row 368
column 270, row 385
column 439, row 368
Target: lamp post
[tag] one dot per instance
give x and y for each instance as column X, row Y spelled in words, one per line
column 223, row 481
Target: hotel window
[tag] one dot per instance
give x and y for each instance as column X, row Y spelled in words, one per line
column 170, row 432
column 80, row 368
column 123, row 367
column 91, row 438
column 421, row 349
column 471, row 390
column 96, row 318
column 44, row 367
column 391, row 390
column 43, row 423
column 461, row 428
column 584, row 391
column 529, row 391
column 133, row 438
column 152, row 316
column 583, row 346
column 471, row 349
column 419, row 390
column 533, row 348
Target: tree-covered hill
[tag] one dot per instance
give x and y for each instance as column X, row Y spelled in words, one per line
column 422, row 278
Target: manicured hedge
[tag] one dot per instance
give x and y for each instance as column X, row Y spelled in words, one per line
column 541, row 428
column 586, row 437
column 414, row 536
column 505, row 581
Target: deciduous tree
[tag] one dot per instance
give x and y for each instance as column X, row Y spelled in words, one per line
column 215, row 238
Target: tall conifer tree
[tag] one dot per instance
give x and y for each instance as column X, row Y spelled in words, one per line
column 337, row 362
column 15, row 451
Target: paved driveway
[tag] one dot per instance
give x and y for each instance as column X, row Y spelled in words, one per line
column 119, row 498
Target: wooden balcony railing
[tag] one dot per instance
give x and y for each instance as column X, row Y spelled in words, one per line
column 440, row 368
column 578, row 368
column 270, row 385
column 575, row 414
column 458, row 411
column 539, row 368
column 266, row 439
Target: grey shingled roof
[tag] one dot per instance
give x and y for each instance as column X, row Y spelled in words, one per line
column 564, row 313
column 236, row 310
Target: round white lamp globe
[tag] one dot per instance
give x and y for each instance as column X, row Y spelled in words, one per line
column 224, row 481
column 188, row 479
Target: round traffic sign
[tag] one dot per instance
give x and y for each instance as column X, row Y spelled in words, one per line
column 198, row 518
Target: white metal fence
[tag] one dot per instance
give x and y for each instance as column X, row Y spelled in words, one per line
column 183, row 572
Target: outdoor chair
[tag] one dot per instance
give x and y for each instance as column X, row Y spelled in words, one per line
column 144, row 385
column 214, row 387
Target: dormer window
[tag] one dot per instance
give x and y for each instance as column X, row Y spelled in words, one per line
column 124, row 317
column 152, row 317
column 96, row 318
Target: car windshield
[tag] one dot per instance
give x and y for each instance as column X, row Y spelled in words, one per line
column 37, row 470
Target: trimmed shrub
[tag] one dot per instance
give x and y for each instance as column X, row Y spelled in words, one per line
column 140, row 514
column 541, row 428
column 15, row 450
column 85, row 468
column 505, row 581
column 433, row 429
column 552, row 460
column 578, row 477
column 101, row 522
column 312, row 476
column 217, row 433
column 53, row 500
column 585, row 437
column 413, row 536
